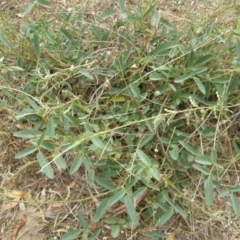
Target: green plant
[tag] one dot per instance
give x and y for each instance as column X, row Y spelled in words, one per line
column 137, row 103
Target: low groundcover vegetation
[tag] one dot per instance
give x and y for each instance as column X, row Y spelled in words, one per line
column 145, row 109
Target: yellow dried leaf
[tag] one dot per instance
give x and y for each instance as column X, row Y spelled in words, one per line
column 18, row 194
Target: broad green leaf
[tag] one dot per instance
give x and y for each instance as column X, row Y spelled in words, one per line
column 208, row 189
column 4, row 40
column 50, row 146
column 100, row 144
column 235, row 189
column 201, row 169
column 146, row 139
column 233, row 84
column 198, row 70
column 44, row 3
column 174, row 153
column 155, row 18
column 204, row 59
column 104, row 183
column 224, row 193
column 165, row 217
column 28, row 8
column 155, row 173
column 108, row 14
column 131, row 209
column 95, row 234
column 156, row 235
column 162, row 47
column 188, row 147
column 144, row 158
column 36, row 43
column 236, row 32
column 167, row 24
column 213, row 155
column 180, row 211
column 15, row 69
column 66, row 34
column 82, row 221
column 41, row 139
column 115, row 230
column 121, row 5
column 182, row 78
column 28, row 134
column 33, row 104
column 102, row 208
column 139, row 192
column 26, row 152
column 235, row 204
column 86, row 74
column 157, row 76
column 199, row 85
column 71, row 235
column 135, row 90
column 44, row 164
column 51, row 128
column 221, row 80
column 202, row 159
column 60, row 162
column 117, row 197
column 76, row 164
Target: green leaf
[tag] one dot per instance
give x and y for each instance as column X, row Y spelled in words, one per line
column 4, row 40
column 26, row 152
column 154, row 172
column 51, row 128
column 66, row 34
column 182, row 78
column 235, row 204
column 157, row 76
column 235, row 189
column 104, row 183
column 29, row 8
column 76, row 164
column 155, row 18
column 163, row 47
column 131, row 209
column 135, row 90
column 36, row 44
column 180, row 211
column 33, row 104
column 86, row 74
column 41, row 139
column 44, row 3
column 144, row 158
column 204, row 59
column 188, row 147
column 117, row 197
column 201, row 169
column 82, row 221
column 115, row 230
column 209, row 192
column 100, row 144
column 213, row 155
column 174, row 153
column 224, row 193
column 102, row 208
column 167, row 24
column 139, row 192
column 108, row 14
column 146, row 139
column 202, row 159
column 221, row 80
column 60, row 162
column 44, row 164
column 200, row 85
column 121, row 5
column 95, row 234
column 233, row 84
column 28, row 134
column 71, row 235
column 165, row 217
